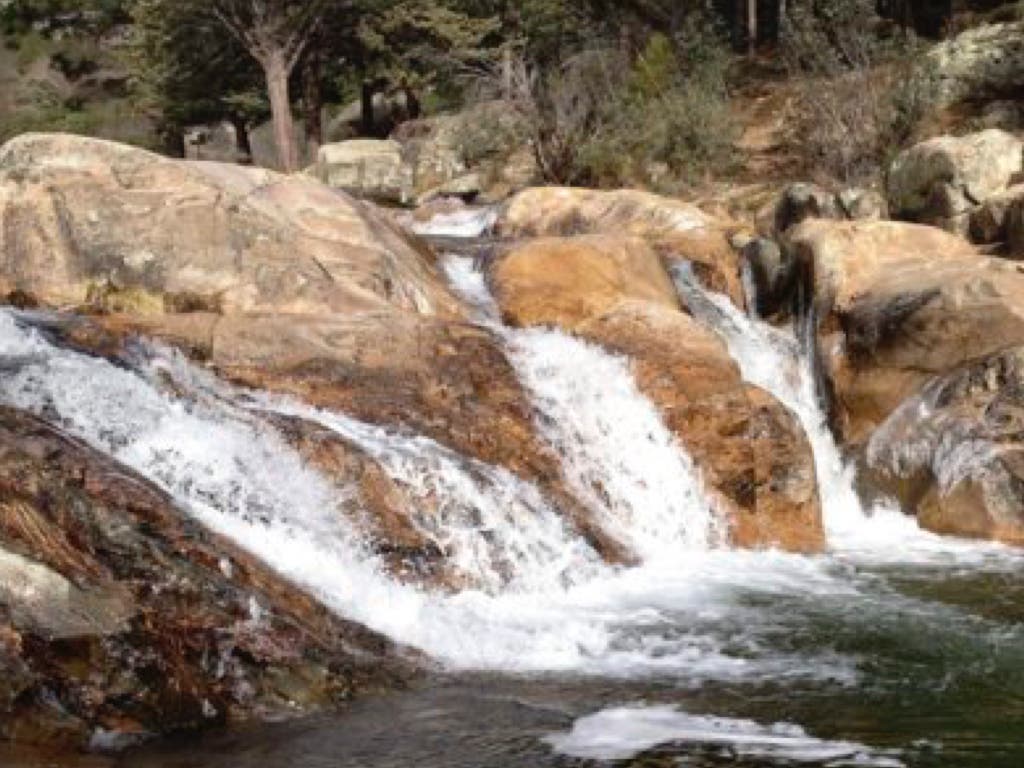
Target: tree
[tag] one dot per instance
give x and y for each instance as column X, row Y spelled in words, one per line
column 275, row 33
column 188, row 69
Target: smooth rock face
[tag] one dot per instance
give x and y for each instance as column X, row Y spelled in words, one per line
column 675, row 229
column 941, row 181
column 565, row 281
column 86, row 222
column 561, row 211
column 900, row 303
column 956, row 451
column 984, row 62
column 751, row 452
column 374, row 169
column 118, row 616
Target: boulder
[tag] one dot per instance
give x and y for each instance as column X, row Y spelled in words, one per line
column 900, row 303
column 981, row 63
column 751, row 452
column 113, row 604
column 217, row 142
column 677, row 230
column 566, row 281
column 87, row 222
column 367, row 168
column 615, row 292
column 562, row 211
column 955, row 449
column 800, row 202
column 486, row 142
column 989, row 222
column 942, row 180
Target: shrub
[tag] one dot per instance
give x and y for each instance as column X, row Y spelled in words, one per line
column 602, row 117
column 863, row 95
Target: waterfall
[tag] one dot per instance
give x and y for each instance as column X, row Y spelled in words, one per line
column 616, row 452
column 538, row 600
column 782, row 363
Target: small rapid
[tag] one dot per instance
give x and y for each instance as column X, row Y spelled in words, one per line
column 856, row 625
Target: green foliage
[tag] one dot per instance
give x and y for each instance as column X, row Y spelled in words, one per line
column 604, row 118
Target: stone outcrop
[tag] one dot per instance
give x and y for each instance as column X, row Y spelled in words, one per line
column 955, row 453
column 119, row 618
column 367, row 168
column 675, row 229
column 90, row 223
column 981, row 63
column 752, row 453
column 566, row 281
column 478, row 153
column 900, row 303
column 921, row 338
column 943, row 180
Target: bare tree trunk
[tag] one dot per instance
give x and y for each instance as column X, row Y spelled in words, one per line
column 277, row 71
column 313, row 104
column 751, row 27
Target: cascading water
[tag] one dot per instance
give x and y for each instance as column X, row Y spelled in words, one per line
column 699, row 616
column 616, row 451
column 780, row 363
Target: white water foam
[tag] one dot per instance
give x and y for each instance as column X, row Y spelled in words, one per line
column 616, row 452
column 467, row 223
column 774, row 360
column 234, row 474
column 622, row 733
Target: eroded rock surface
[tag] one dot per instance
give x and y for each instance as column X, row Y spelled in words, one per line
column 750, row 450
column 955, row 450
column 119, row 617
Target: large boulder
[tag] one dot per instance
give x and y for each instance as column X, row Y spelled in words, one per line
column 566, row 281
column 751, row 452
column 675, row 229
column 84, row 221
column 942, row 180
column 368, row 168
column 898, row 304
column 981, row 63
column 121, row 619
column 485, row 143
column 955, row 450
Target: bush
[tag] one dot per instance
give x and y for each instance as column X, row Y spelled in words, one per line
column 863, row 96
column 604, row 118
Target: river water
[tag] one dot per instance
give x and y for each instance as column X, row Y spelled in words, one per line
column 895, row 648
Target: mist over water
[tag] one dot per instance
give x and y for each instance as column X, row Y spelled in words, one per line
column 537, row 598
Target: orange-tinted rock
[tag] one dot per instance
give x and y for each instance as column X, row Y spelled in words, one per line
column 566, row 281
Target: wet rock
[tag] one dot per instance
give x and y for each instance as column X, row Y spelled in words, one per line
column 955, row 450
column 803, row 201
column 900, row 303
column 86, row 221
column 943, row 180
column 118, row 618
column 768, row 274
column 751, row 452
